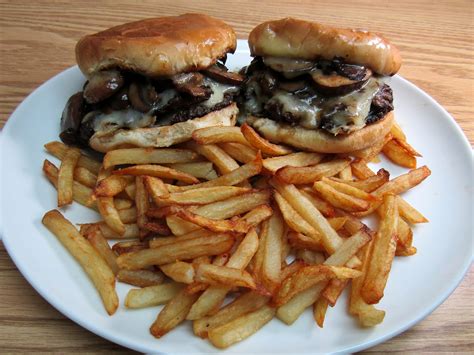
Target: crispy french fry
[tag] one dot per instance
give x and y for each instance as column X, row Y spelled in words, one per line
column 368, row 154
column 294, row 159
column 348, row 189
column 404, row 144
column 202, row 196
column 130, row 190
column 224, row 276
column 128, row 246
column 323, row 206
column 361, row 170
column 310, row 257
column 240, row 328
column 319, row 311
column 158, row 227
column 346, row 173
column 381, row 254
column 200, row 170
column 223, row 162
column 334, row 289
column 179, row 271
column 66, row 176
column 128, row 215
column 142, row 204
column 293, row 267
column 397, row 132
column 240, row 152
column 301, row 241
column 271, row 260
column 261, row 143
column 157, row 171
column 109, row 213
column 84, row 176
column 156, row 188
column 410, row 213
column 245, row 303
column 148, row 156
column 130, row 231
column 99, row 243
column 112, row 185
column 219, row 134
column 398, row 154
column 59, row 149
column 140, row 278
column 181, row 250
column 310, row 174
column 339, row 199
column 173, row 313
column 151, row 295
column 369, row 184
column 95, row 267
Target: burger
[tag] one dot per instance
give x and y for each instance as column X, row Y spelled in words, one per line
column 319, row 88
column 151, row 83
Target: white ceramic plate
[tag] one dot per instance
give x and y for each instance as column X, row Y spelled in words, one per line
column 417, row 284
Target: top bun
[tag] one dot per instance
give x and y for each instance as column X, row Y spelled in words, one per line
column 157, row 47
column 294, row 38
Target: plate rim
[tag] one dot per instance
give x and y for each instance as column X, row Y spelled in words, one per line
column 108, row 335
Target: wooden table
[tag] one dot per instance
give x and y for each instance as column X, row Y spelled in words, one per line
column 37, row 41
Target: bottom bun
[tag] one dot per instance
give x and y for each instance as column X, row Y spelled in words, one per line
column 320, row 141
column 164, row 136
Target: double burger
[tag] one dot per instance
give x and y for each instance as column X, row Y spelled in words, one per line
column 151, row 83
column 319, row 88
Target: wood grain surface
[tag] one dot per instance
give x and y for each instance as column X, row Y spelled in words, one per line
column 37, row 40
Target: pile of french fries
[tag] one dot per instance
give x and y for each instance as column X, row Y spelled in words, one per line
column 229, row 214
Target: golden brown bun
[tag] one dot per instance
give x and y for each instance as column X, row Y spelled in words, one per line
column 158, row 46
column 294, row 38
column 318, row 140
column 164, row 136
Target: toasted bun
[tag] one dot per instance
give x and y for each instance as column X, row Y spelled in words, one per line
column 158, row 46
column 293, row 38
column 318, row 140
column 163, row 136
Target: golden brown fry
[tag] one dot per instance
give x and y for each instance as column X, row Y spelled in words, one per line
column 319, row 311
column 261, row 143
column 181, row 250
column 301, row 241
column 240, row 152
column 131, row 231
column 66, row 176
column 404, row 144
column 310, row 257
column 148, row 156
column 224, row 276
column 381, row 254
column 397, row 132
column 349, row 189
column 109, row 213
column 99, row 243
column 339, row 199
column 294, row 159
column 368, row 154
column 121, row 203
column 292, row 268
column 410, row 213
column 157, row 171
column 179, row 271
column 323, row 206
column 151, row 296
column 84, row 176
column 59, row 149
column 157, row 227
column 398, row 154
column 334, row 289
column 240, row 328
column 112, row 185
column 141, row 203
column 361, row 170
column 95, row 267
column 346, row 173
column 156, row 188
column 202, row 196
column 201, row 170
column 223, row 162
column 126, row 246
column 128, row 215
column 219, row 134
column 369, row 184
column 310, row 174
column 173, row 313
column 140, row 278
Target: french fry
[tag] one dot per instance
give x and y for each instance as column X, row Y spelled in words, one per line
column 334, row 289
column 148, row 156
column 245, row 303
column 404, row 144
column 348, row 189
column 109, row 213
column 301, row 241
column 340, row 199
column 293, row 267
column 122, row 204
column 215, row 295
column 319, row 311
column 157, row 171
column 397, row 132
column 232, row 178
column 323, row 206
column 130, row 190
column 59, row 149
column 338, row 222
column 200, row 170
column 223, row 162
column 181, row 250
column 80, row 193
column 310, row 174
column 294, row 159
column 369, row 184
column 128, row 215
column 99, row 243
column 112, row 185
column 202, row 196
column 381, row 254
column 179, row 271
column 258, row 215
column 142, row 204
column 368, row 154
column 157, row 227
column 219, row 134
column 361, row 170
column 410, row 213
column 66, row 176
column 240, row 152
column 310, row 257
column 398, row 154
column 346, row 173
column 156, row 188
column 224, row 276
column 261, row 143
column 130, row 231
column 173, row 313
column 240, row 328
column 84, row 176
column 95, row 267
column 151, row 296
column 140, row 278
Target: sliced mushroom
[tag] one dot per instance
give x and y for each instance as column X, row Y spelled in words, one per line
column 292, row 86
column 219, row 73
column 142, row 96
column 102, row 85
column 334, row 84
column 192, row 84
column 289, row 67
column 71, row 118
column 120, row 100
